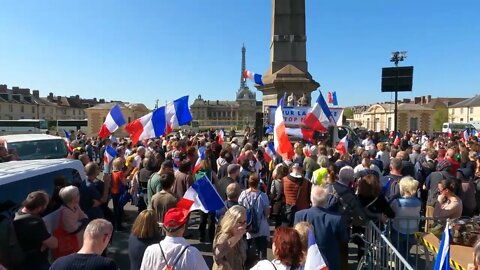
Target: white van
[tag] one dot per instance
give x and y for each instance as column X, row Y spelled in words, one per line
column 19, row 178
column 36, row 146
column 456, row 127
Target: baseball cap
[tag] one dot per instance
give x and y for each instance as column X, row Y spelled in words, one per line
column 232, row 167
column 175, row 218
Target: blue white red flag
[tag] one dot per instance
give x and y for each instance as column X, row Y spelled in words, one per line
column 112, row 122
column 334, row 97
column 177, row 113
column 330, row 97
column 198, row 163
column 314, row 259
column 466, row 136
column 201, row 196
column 320, row 116
column 221, row 136
column 109, row 155
column 269, row 153
column 475, row 133
column 257, row 78
column 301, row 133
column 449, row 133
column 342, row 145
column 397, row 140
column 148, row 126
column 282, row 144
column 442, row 262
column 67, row 136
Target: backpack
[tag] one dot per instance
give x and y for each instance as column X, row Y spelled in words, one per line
column 172, row 267
column 253, row 224
column 390, row 188
column 11, row 253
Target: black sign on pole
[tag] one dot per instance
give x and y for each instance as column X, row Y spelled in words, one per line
column 397, row 79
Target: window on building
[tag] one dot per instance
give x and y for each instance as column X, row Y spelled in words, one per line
column 377, row 124
column 368, row 123
column 129, row 119
column 73, row 111
column 461, row 120
column 33, row 109
column 471, row 111
column 51, row 110
column 10, row 107
column 65, row 111
column 413, row 123
column 389, row 123
column 22, row 109
column 461, row 110
column 471, row 119
column 43, row 109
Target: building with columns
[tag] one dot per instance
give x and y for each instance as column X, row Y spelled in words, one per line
column 238, row 113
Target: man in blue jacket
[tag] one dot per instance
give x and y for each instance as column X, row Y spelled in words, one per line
column 330, row 229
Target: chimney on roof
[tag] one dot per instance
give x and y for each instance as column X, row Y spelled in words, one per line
column 429, row 98
column 418, row 100
column 217, row 102
column 423, row 100
column 50, row 96
column 101, row 100
column 36, row 93
column 406, row 100
column 15, row 89
column 95, row 99
column 3, row 88
column 77, row 96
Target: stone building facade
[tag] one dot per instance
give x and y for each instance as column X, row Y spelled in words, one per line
column 465, row 111
column 22, row 103
column 236, row 114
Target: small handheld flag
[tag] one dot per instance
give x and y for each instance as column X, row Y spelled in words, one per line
column 201, row 196
column 442, row 261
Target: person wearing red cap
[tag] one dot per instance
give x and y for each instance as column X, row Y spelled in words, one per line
column 174, row 252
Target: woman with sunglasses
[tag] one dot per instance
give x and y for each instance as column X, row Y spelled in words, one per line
column 229, row 245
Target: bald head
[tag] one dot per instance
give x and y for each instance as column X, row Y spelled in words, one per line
column 233, row 191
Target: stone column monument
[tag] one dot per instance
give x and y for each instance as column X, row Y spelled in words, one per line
column 288, row 71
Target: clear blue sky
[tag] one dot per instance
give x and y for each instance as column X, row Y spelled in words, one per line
column 139, row 51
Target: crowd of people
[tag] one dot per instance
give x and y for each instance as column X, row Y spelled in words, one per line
column 334, row 195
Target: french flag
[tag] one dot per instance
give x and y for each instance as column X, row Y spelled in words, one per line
column 201, row 196
column 221, row 136
column 475, row 133
column 320, row 117
column 466, row 136
column 257, row 78
column 68, row 141
column 282, row 144
column 397, row 140
column 112, row 122
column 109, row 154
column 306, row 150
column 342, row 145
column 330, row 97
column 442, row 261
column 201, row 156
column 302, row 133
column 314, row 260
column 334, row 97
column 148, row 126
column 449, row 133
column 269, row 153
column 177, row 113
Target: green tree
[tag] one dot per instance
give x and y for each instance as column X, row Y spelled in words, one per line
column 348, row 113
column 440, row 116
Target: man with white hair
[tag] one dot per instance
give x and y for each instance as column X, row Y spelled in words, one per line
column 95, row 240
column 331, row 234
column 310, row 163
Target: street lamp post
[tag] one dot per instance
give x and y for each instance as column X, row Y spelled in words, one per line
column 397, row 57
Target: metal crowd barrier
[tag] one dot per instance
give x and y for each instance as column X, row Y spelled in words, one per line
column 384, row 255
column 411, row 246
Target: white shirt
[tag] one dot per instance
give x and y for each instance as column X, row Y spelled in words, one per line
column 190, row 259
column 267, row 265
column 360, row 168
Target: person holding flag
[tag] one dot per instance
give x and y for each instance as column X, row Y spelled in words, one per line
column 442, row 261
column 113, row 121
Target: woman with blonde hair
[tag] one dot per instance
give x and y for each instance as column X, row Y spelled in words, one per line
column 145, row 232
column 407, row 208
column 229, row 245
column 303, row 229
